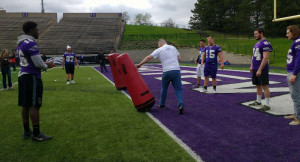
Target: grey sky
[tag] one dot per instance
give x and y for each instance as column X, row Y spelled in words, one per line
column 161, row 10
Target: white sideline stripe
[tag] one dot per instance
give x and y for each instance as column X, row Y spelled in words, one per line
column 168, row 131
column 17, row 82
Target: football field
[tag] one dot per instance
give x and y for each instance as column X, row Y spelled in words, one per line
column 92, row 121
column 89, row 121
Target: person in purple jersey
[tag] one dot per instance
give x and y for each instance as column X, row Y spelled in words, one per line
column 210, row 55
column 260, row 68
column 200, row 69
column 30, row 82
column 293, row 69
column 69, row 58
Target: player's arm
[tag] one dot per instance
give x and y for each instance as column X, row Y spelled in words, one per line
column 221, row 59
column 263, row 62
column 63, row 62
column 39, row 63
column 251, row 67
column 76, row 61
column 296, row 69
column 203, row 57
column 179, row 57
column 146, row 59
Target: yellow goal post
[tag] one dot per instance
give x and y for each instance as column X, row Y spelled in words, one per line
column 283, row 18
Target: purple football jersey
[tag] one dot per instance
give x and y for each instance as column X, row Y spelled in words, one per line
column 26, row 49
column 211, row 53
column 293, row 57
column 201, row 50
column 69, row 58
column 258, row 50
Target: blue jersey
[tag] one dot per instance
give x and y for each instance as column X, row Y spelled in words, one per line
column 69, row 58
column 258, row 50
column 201, row 50
column 211, row 53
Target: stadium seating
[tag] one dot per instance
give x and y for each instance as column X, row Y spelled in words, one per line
column 84, row 33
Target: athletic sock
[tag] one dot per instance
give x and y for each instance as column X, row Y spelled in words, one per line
column 36, row 130
column 258, row 98
column 67, row 80
column 26, row 127
column 215, row 87
column 267, row 101
column 205, row 87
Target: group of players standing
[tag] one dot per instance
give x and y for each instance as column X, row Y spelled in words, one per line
column 259, row 68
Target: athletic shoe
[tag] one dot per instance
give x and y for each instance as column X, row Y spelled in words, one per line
column 289, row 117
column 197, row 86
column 161, row 106
column 255, row 103
column 11, row 88
column 26, row 135
column 264, row 108
column 68, row 82
column 180, row 110
column 203, row 90
column 72, row 81
column 215, row 91
column 40, row 138
column 295, row 122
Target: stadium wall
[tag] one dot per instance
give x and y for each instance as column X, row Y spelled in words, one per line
column 97, row 15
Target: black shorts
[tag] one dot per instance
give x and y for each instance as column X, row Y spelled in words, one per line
column 30, row 91
column 262, row 80
column 69, row 68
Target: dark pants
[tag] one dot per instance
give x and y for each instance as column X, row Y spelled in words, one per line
column 102, row 65
column 6, row 71
column 81, row 62
column 13, row 65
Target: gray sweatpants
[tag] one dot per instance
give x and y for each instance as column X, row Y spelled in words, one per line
column 295, row 93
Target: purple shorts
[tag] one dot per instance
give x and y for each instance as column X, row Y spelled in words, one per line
column 211, row 70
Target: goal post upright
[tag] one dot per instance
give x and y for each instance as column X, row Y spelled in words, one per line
column 284, row 18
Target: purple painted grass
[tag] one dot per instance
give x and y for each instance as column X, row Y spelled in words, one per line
column 218, row 128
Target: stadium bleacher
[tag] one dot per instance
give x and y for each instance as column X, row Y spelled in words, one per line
column 85, row 32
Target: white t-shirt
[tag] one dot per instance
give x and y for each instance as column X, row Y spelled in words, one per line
column 168, row 56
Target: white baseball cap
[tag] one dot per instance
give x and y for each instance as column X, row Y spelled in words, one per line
column 68, row 46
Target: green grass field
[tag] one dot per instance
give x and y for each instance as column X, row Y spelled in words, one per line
column 89, row 120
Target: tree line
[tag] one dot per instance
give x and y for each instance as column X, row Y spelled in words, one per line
column 243, row 16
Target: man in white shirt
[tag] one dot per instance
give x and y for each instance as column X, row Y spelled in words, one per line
column 169, row 57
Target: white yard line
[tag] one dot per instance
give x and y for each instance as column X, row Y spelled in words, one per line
column 168, row 131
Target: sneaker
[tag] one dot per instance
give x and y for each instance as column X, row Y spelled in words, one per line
column 203, row 90
column 295, row 122
column 255, row 103
column 26, row 135
column 197, row 86
column 11, row 88
column 68, row 82
column 264, row 108
column 161, row 106
column 180, row 110
column 289, row 117
column 40, row 138
column 72, row 81
column 215, row 91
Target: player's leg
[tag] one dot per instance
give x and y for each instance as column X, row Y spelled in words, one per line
column 24, row 97
column 296, row 99
column 104, row 67
column 34, row 111
column 198, row 71
column 291, row 87
column 176, row 82
column 264, row 79
column 213, row 75
column 164, row 88
column 3, row 71
column 256, row 81
column 72, row 74
column 206, row 78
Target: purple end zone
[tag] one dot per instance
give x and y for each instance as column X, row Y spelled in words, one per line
column 219, row 128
